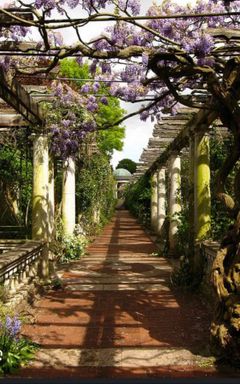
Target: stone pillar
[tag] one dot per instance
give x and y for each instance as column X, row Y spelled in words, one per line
column 40, row 229
column 161, row 199
column 191, row 194
column 51, row 201
column 174, row 200
column 68, row 197
column 116, row 189
column 40, row 212
column 154, row 198
column 202, row 196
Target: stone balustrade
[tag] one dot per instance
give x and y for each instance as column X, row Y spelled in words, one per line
column 20, row 262
column 208, row 250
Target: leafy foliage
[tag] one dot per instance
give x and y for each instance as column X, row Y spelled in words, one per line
column 182, row 275
column 15, row 182
column 95, row 191
column 109, row 110
column 138, row 199
column 220, row 219
column 67, row 248
column 73, row 247
column 15, row 350
column 128, row 164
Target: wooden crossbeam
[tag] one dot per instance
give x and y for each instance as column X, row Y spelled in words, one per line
column 21, row 16
column 17, row 46
column 223, row 33
column 18, row 98
column 12, row 120
column 199, row 123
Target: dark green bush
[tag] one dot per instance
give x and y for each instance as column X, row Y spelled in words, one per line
column 138, row 200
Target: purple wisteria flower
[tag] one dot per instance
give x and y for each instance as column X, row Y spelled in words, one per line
column 5, row 63
column 144, row 115
column 199, row 45
column 96, row 87
column 58, row 39
column 92, row 107
column 89, row 125
column 46, row 4
column 79, row 60
column 168, row 29
column 106, row 67
column 68, row 98
column 85, row 88
column 66, row 123
column 92, row 99
column 54, row 129
column 145, row 59
column 72, row 3
column 59, row 90
column 104, row 100
column 132, row 5
column 65, row 134
column 93, row 67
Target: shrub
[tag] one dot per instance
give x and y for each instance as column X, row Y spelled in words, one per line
column 138, row 199
column 15, row 351
column 73, row 247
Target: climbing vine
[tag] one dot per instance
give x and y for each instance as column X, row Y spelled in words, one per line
column 15, row 180
column 138, row 199
column 95, row 192
column 220, row 220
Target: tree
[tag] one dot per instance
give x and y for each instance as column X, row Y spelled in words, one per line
column 170, row 58
column 107, row 113
column 128, row 164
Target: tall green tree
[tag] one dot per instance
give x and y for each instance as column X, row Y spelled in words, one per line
column 128, row 164
column 107, row 139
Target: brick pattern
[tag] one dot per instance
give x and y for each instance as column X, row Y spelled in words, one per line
column 117, row 315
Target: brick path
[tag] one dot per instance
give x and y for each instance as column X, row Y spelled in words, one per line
column 117, row 316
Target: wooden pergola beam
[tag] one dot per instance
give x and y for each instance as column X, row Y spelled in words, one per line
column 17, row 46
column 7, row 20
column 10, row 120
column 18, row 98
column 199, row 123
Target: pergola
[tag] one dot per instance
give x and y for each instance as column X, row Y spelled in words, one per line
column 172, row 138
column 189, row 131
column 21, row 108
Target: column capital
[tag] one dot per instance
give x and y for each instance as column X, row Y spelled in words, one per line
column 162, row 168
column 68, row 196
column 35, row 135
column 175, row 154
column 201, row 133
column 174, row 200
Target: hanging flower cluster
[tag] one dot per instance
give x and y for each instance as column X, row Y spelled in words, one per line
column 71, row 117
column 124, row 52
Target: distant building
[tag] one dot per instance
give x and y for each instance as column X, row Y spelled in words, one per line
column 122, row 176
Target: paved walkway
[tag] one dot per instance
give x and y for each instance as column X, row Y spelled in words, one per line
column 117, row 316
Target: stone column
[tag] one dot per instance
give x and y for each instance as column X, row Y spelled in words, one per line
column 68, row 197
column 202, row 195
column 191, row 194
column 174, row 200
column 40, row 210
column 51, row 201
column 161, row 199
column 40, row 221
column 116, row 189
column 154, row 198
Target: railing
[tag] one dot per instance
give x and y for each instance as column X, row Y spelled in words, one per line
column 12, row 232
column 19, row 263
column 209, row 250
